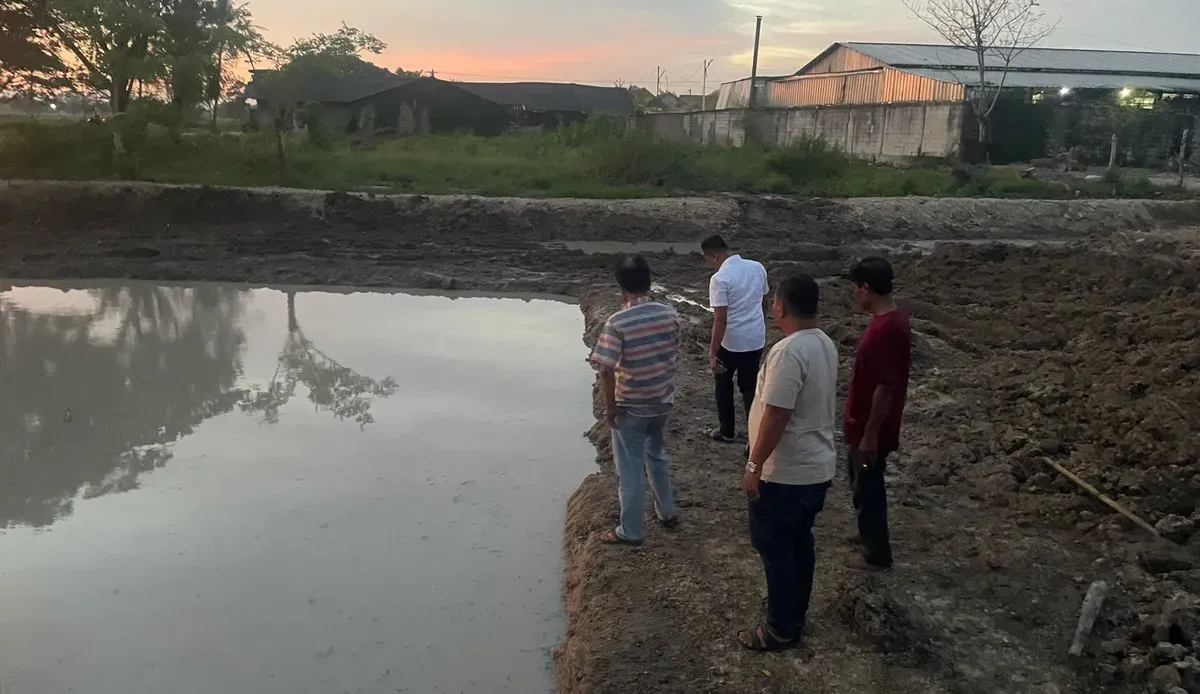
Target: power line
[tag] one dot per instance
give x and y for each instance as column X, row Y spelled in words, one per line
column 681, row 80
column 1107, row 38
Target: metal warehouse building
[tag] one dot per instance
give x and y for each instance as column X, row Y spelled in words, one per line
column 898, row 100
column 883, row 73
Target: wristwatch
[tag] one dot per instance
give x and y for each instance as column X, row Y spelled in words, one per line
column 751, row 466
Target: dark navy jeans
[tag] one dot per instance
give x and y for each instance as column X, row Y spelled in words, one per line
column 870, row 505
column 781, row 529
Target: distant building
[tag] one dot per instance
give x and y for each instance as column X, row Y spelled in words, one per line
column 552, row 104
column 675, row 103
column 875, row 73
column 369, row 99
column 665, row 102
column 1053, row 99
column 736, row 94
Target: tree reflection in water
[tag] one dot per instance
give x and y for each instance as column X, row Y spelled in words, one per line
column 90, row 401
column 332, row 387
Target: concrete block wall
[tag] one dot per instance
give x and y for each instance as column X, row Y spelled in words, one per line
column 873, row 131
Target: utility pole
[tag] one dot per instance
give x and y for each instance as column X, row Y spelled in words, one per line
column 658, row 72
column 704, row 86
column 754, row 61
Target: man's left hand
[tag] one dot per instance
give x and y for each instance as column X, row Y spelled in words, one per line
column 750, row 484
column 869, row 444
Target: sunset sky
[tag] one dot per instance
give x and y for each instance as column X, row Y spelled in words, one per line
column 600, row 41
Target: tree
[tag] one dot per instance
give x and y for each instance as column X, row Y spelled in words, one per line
column 118, row 47
column 187, row 50
column 995, row 32
column 401, row 72
column 347, row 42
column 235, row 37
column 116, row 43
column 26, row 55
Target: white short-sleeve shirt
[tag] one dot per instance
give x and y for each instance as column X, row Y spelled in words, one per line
column 740, row 285
column 800, row 374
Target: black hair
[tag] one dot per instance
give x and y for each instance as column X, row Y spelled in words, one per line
column 875, row 272
column 714, row 244
column 633, row 274
column 800, row 295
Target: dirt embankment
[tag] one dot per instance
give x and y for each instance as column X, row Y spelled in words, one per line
column 1084, row 354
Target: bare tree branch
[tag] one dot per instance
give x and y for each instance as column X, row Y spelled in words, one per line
column 995, row 32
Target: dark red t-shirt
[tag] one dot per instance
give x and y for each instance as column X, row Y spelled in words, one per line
column 882, row 359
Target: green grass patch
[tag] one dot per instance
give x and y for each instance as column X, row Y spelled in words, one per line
column 598, row 159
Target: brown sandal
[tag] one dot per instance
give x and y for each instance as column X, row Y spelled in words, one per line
column 761, row 639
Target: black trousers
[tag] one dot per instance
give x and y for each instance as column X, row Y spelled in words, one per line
column 870, row 505
column 781, row 530
column 744, row 367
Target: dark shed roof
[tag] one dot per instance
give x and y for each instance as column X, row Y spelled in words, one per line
column 550, row 96
column 359, row 81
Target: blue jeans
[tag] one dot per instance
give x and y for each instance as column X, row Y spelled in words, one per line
column 781, row 524
column 639, row 451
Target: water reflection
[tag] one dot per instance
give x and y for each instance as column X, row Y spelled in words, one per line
column 293, row 557
column 92, row 397
column 331, row 387
column 97, row 385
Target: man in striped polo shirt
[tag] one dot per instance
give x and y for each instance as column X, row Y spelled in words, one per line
column 635, row 356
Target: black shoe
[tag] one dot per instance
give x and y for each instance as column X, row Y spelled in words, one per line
column 862, row 563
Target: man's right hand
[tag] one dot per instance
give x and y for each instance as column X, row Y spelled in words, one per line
column 864, row 459
column 714, row 363
column 614, row 415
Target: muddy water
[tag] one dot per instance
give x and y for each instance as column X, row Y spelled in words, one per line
column 210, row 489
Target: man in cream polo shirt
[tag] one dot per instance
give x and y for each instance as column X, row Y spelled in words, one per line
column 736, row 294
column 792, row 461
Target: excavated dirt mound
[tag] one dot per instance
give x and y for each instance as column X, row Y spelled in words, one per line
column 1084, row 354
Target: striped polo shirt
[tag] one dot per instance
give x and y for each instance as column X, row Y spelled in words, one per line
column 641, row 344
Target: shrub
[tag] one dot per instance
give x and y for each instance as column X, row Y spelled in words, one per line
column 808, row 159
column 642, row 160
column 774, row 183
column 64, row 151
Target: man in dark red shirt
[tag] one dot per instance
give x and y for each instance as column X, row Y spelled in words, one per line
column 875, row 404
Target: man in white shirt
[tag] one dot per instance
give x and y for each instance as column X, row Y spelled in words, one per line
column 736, row 294
column 792, row 461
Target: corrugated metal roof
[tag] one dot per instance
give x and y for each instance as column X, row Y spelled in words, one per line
column 1055, row 80
column 1063, row 60
column 736, row 94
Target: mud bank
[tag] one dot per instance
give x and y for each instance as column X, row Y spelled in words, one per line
column 1082, row 353
column 529, row 221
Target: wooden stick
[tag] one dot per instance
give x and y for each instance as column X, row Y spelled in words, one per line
column 1092, row 603
column 1103, row 499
